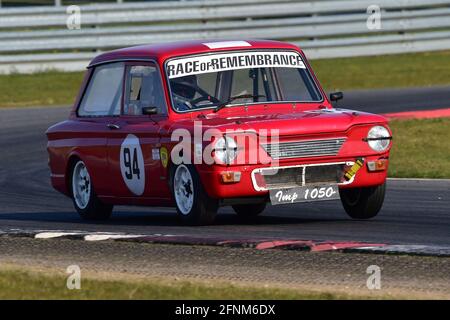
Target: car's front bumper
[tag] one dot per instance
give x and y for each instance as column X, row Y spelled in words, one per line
column 248, row 186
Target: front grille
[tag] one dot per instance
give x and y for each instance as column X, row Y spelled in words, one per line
column 303, row 149
column 288, row 177
column 324, row 174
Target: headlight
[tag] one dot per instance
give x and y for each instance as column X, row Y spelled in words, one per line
column 225, row 150
column 378, row 138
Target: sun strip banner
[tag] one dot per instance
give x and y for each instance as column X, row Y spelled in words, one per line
column 232, row 61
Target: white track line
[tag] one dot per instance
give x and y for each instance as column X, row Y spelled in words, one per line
column 103, row 237
column 50, row 235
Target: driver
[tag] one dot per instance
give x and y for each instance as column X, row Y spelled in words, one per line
column 183, row 90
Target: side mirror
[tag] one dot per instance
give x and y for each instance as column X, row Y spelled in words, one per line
column 149, row 110
column 335, row 96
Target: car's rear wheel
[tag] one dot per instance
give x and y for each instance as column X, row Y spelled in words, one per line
column 249, row 210
column 193, row 205
column 86, row 202
column 363, row 203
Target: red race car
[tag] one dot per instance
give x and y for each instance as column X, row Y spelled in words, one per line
column 203, row 124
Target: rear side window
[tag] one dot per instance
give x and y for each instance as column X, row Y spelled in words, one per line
column 104, row 92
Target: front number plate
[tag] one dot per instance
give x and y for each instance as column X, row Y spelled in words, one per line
column 304, row 194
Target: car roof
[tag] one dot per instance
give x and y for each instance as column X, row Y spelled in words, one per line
column 162, row 51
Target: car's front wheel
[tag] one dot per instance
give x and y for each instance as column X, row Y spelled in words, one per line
column 193, row 205
column 86, row 202
column 363, row 203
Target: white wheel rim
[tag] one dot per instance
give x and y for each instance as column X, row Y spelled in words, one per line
column 81, row 185
column 183, row 187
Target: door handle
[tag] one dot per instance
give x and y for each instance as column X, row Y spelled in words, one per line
column 113, row 126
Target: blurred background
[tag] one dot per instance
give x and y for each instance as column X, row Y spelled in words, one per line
column 21, row 3
column 52, row 34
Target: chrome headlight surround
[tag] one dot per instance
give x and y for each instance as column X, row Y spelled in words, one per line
column 378, row 138
column 225, row 150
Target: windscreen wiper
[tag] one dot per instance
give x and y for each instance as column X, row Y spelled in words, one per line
column 231, row 99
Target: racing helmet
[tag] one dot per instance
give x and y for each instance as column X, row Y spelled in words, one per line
column 185, row 86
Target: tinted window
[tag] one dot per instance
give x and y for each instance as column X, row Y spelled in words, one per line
column 104, row 92
column 257, row 82
column 233, row 78
column 144, row 89
column 294, row 87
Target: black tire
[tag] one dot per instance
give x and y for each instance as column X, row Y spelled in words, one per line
column 247, row 211
column 363, row 203
column 204, row 209
column 95, row 209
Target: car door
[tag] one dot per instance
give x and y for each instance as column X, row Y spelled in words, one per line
column 99, row 106
column 134, row 139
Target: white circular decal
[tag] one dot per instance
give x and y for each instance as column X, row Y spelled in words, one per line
column 132, row 164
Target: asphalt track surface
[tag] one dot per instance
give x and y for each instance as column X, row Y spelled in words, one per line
column 397, row 100
column 415, row 212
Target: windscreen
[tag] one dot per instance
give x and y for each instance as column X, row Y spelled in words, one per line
column 236, row 78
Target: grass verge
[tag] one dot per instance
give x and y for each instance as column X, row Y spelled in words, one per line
column 39, row 89
column 21, row 283
column 389, row 71
column 421, row 148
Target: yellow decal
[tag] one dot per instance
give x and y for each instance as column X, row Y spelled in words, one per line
column 164, row 157
column 352, row 171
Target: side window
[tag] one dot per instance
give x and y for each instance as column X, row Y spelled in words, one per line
column 104, row 92
column 143, row 89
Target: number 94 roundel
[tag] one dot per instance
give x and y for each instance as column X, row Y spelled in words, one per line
column 132, row 164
